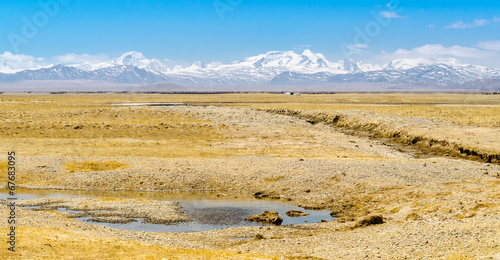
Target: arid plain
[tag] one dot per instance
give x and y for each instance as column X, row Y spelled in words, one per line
column 427, row 164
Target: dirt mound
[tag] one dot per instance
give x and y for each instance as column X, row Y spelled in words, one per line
column 296, row 213
column 368, row 221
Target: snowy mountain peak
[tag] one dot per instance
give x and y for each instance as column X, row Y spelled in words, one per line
column 132, row 58
column 137, row 59
column 406, row 64
column 288, row 60
column 347, row 65
column 308, row 52
column 313, row 56
column 156, row 65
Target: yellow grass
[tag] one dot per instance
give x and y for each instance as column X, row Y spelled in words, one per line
column 459, row 114
column 89, row 125
column 3, row 167
column 51, row 243
column 274, row 179
column 89, row 166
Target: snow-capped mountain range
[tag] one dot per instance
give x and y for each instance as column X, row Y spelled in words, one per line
column 272, row 68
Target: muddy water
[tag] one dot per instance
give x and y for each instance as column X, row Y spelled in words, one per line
column 208, row 211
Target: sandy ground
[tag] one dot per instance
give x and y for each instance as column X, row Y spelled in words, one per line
column 433, row 208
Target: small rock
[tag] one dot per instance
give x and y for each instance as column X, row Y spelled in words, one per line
column 313, row 207
column 274, row 196
column 271, row 195
column 259, row 237
column 260, row 194
column 296, row 213
column 271, row 217
column 336, row 212
column 345, row 219
column 114, row 220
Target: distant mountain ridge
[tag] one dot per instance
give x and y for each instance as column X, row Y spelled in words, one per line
column 272, row 68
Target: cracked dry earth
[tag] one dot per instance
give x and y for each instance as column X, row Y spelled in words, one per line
column 433, row 208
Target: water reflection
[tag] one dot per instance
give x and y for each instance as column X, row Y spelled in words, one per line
column 208, row 210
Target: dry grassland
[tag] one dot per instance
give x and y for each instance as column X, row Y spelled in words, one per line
column 281, row 146
column 88, row 125
column 49, row 243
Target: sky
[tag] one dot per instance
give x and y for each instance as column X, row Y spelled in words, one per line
column 228, row 30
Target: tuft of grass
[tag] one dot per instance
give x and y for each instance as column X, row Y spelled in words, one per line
column 91, row 166
column 478, row 206
column 274, row 179
column 466, row 215
column 413, row 216
column 395, row 210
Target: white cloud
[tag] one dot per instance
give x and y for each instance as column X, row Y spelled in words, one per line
column 496, row 19
column 485, row 53
column 438, row 50
column 491, row 45
column 357, row 48
column 72, row 58
column 10, row 63
column 387, row 14
column 432, row 26
column 171, row 64
column 9, row 56
column 462, row 25
column 480, row 22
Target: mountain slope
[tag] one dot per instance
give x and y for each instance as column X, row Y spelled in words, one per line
column 271, row 68
column 121, row 74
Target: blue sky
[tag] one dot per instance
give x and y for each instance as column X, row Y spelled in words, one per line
column 228, row 30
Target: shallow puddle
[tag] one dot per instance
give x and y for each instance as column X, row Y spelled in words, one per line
column 208, row 211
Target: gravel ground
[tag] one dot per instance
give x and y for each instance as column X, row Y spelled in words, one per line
column 156, row 212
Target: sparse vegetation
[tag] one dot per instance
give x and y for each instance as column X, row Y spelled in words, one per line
column 228, row 144
column 51, row 243
column 3, row 167
column 395, row 210
column 90, row 166
column 274, row 179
